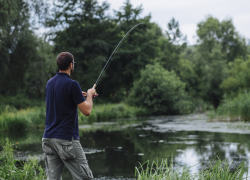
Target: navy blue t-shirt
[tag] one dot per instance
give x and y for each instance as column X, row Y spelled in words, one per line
column 62, row 97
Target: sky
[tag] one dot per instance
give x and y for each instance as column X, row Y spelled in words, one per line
column 190, row 12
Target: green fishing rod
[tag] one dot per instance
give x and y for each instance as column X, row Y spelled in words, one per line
column 111, row 57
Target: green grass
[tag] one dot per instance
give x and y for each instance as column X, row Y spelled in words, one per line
column 13, row 169
column 166, row 171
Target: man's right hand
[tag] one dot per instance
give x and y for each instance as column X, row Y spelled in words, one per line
column 91, row 92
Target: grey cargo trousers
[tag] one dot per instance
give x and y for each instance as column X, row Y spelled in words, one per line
column 60, row 153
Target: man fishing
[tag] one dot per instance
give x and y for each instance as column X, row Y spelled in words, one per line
column 60, row 141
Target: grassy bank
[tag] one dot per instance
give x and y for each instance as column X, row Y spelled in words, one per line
column 14, row 119
column 237, row 108
column 110, row 112
column 14, row 169
column 165, row 170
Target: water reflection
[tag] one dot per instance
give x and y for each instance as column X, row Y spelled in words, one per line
column 115, row 154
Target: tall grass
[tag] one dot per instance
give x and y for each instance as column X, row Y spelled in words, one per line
column 165, row 171
column 11, row 169
column 109, row 112
column 237, row 108
column 13, row 119
column 162, row 170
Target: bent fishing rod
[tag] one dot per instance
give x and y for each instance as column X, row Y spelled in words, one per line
column 111, row 57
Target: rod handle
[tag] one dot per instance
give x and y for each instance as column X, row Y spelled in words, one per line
column 95, row 95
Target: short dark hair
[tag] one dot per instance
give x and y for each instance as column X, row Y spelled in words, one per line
column 63, row 60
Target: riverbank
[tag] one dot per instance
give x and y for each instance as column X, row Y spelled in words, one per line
column 23, row 119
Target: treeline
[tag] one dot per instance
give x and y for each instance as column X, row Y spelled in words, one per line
column 152, row 68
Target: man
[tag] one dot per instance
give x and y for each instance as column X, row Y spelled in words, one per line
column 60, row 141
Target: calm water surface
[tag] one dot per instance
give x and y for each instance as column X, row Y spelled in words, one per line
column 115, row 149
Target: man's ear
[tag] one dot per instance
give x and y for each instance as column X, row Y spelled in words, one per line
column 71, row 66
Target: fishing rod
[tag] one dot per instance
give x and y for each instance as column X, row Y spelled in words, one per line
column 111, row 57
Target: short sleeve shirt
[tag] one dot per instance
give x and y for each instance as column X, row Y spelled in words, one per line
column 62, row 97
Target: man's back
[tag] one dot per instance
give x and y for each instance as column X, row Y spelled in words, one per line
column 62, row 97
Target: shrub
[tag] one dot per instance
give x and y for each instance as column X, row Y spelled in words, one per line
column 160, row 92
column 9, row 169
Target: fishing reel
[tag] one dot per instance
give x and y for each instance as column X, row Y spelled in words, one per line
column 95, row 95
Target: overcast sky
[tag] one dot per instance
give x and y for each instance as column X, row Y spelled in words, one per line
column 190, row 12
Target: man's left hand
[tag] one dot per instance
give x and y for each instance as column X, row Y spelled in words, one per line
column 84, row 94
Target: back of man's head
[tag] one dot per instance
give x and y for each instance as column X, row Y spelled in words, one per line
column 63, row 60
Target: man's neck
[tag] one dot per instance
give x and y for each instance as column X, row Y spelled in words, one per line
column 67, row 72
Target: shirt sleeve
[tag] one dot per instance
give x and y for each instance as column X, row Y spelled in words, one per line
column 76, row 93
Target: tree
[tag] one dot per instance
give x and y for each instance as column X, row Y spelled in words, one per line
column 212, row 33
column 17, row 45
column 219, row 43
column 172, row 44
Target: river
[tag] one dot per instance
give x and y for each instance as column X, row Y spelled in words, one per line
column 114, row 149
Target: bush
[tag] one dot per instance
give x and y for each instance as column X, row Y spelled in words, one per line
column 160, row 92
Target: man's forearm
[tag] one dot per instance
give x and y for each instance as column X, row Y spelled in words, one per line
column 89, row 100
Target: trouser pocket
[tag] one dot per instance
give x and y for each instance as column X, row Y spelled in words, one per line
column 67, row 150
column 47, row 149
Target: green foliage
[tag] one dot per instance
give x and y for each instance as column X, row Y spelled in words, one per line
column 110, row 112
column 160, row 91
column 25, row 59
column 238, row 76
column 237, row 108
column 20, row 101
column 170, row 46
column 158, row 171
column 212, row 33
column 203, row 67
column 9, row 169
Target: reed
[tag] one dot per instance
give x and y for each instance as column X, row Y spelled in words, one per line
column 237, row 108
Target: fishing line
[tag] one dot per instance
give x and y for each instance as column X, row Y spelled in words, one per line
column 113, row 54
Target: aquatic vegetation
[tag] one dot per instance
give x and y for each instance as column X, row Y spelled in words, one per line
column 14, row 169
column 164, row 170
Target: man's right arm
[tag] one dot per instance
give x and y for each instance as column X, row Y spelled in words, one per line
column 86, row 106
